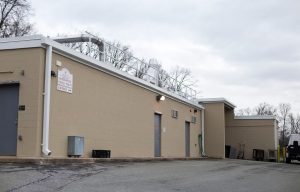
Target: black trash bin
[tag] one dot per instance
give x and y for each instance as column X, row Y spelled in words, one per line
column 227, row 151
column 258, row 154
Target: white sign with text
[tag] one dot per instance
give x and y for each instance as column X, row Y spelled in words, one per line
column 65, row 80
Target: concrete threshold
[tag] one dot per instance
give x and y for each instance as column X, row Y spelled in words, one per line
column 67, row 160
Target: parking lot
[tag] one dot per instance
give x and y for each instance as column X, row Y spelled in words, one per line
column 201, row 175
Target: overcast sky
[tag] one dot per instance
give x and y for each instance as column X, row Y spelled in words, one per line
column 245, row 51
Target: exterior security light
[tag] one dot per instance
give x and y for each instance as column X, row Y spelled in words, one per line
column 53, row 74
column 160, row 98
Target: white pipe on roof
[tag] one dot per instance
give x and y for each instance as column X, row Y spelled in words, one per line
column 47, row 92
column 84, row 38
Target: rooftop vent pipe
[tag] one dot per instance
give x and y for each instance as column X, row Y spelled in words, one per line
column 84, row 38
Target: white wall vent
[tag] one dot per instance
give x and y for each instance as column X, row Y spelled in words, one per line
column 194, row 119
column 174, row 114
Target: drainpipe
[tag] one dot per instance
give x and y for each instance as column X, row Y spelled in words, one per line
column 47, row 89
column 202, row 133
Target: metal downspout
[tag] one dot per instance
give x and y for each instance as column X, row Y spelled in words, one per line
column 202, row 133
column 47, row 92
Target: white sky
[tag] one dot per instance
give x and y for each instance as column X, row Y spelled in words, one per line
column 245, row 51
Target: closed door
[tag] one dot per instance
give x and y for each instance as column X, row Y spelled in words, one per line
column 187, row 139
column 9, row 102
column 157, row 135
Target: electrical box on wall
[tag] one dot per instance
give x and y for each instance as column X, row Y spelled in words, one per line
column 75, row 146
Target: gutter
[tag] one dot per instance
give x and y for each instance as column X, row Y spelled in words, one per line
column 47, row 91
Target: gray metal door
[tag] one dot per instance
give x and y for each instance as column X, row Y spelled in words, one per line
column 9, row 102
column 187, row 139
column 157, row 135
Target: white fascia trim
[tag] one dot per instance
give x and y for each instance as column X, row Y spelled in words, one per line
column 41, row 41
column 257, row 117
column 21, row 42
column 216, row 100
column 23, row 38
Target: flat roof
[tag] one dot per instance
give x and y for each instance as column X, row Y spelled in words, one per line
column 217, row 100
column 34, row 41
column 256, row 117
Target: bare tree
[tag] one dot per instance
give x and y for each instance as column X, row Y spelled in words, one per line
column 180, row 78
column 294, row 123
column 86, row 48
column 14, row 18
column 265, row 109
column 118, row 55
column 121, row 57
column 163, row 78
column 297, row 124
column 284, row 110
column 142, row 68
column 160, row 75
column 244, row 112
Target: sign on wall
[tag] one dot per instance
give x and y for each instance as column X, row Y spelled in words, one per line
column 65, row 80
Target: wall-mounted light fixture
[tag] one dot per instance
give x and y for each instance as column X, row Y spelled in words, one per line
column 160, row 98
column 53, row 74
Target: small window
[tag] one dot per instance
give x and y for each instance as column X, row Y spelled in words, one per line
column 174, row 114
column 194, row 119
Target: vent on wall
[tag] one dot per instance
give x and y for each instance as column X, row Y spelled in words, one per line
column 174, row 114
column 194, row 119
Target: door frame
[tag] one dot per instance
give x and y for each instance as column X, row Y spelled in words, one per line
column 15, row 84
column 157, row 133
column 187, row 135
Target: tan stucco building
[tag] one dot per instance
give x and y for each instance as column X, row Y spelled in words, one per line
column 242, row 133
column 49, row 92
column 110, row 109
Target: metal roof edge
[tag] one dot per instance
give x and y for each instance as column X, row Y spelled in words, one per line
column 256, row 117
column 217, row 100
column 22, row 38
column 21, row 42
column 41, row 41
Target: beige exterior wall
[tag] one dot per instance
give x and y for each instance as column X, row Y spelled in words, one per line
column 214, row 119
column 116, row 115
column 30, row 94
column 255, row 134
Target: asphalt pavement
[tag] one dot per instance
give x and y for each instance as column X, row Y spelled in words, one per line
column 189, row 176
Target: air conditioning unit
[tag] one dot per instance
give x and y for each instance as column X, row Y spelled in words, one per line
column 75, row 146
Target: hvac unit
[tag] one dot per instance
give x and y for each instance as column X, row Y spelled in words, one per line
column 75, row 146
